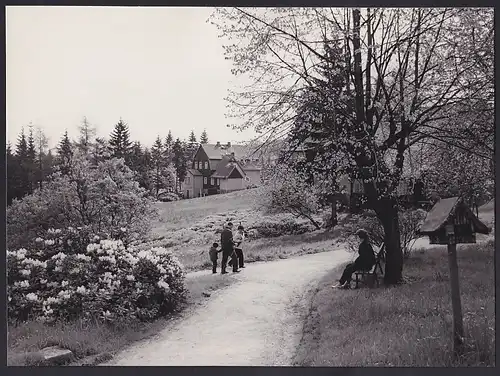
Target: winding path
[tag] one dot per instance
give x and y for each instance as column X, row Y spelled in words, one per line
column 255, row 322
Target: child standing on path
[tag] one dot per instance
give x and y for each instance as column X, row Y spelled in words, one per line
column 213, row 256
column 239, row 237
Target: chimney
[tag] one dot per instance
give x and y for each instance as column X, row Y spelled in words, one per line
column 228, row 145
column 217, row 145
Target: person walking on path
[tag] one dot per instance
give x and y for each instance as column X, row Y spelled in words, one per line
column 213, row 256
column 364, row 261
column 239, row 237
column 227, row 245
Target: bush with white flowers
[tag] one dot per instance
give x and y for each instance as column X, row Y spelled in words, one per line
column 72, row 273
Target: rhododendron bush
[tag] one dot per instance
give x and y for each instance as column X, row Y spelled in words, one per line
column 103, row 197
column 71, row 273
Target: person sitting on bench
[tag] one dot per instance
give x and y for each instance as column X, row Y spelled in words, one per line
column 363, row 262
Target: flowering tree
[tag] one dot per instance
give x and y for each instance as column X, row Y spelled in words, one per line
column 452, row 171
column 287, row 190
column 404, row 71
column 105, row 198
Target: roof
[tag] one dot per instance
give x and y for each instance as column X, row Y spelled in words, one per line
column 250, row 166
column 194, row 172
column 224, row 168
column 440, row 213
column 217, row 152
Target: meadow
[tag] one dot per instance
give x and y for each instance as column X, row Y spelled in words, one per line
column 409, row 325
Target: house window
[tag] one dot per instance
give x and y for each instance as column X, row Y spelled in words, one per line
column 206, row 165
column 205, row 180
column 212, row 181
column 198, row 165
column 216, row 181
column 188, row 180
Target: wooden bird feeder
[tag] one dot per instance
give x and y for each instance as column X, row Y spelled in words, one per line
column 452, row 222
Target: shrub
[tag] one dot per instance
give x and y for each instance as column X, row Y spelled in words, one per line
column 105, row 197
column 409, row 222
column 73, row 274
column 287, row 191
column 286, row 226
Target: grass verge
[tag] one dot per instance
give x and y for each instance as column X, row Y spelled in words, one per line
column 95, row 342
column 408, row 325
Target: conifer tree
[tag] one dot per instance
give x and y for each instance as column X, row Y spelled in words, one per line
column 41, row 145
column 157, row 166
column 86, row 137
column 12, row 171
column 204, row 137
column 31, row 160
column 179, row 162
column 64, row 154
column 22, row 175
column 140, row 164
column 100, row 151
column 119, row 143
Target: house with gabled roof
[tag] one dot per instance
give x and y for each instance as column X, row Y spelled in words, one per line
column 220, row 168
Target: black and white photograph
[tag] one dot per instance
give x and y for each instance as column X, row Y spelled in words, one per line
column 246, row 186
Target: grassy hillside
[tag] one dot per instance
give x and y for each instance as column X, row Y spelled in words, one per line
column 184, row 213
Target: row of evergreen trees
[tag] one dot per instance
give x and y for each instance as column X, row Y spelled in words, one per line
column 162, row 167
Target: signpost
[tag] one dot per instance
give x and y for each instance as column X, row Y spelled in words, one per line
column 458, row 325
column 449, row 222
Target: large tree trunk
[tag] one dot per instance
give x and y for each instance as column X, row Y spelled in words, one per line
column 387, row 213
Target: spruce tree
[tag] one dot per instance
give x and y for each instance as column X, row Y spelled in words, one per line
column 31, row 161
column 204, row 137
column 100, row 151
column 64, row 154
column 119, row 143
column 158, row 165
column 12, row 172
column 169, row 141
column 192, row 138
column 41, row 145
column 179, row 162
column 22, row 176
column 140, row 165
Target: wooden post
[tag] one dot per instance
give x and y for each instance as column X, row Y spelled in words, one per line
column 458, row 326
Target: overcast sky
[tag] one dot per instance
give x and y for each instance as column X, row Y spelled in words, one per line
column 157, row 68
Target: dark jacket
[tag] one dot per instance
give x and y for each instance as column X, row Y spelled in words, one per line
column 226, row 240
column 213, row 253
column 366, row 258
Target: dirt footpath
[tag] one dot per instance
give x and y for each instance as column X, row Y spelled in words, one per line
column 255, row 322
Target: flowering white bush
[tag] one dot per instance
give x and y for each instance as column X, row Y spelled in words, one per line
column 76, row 274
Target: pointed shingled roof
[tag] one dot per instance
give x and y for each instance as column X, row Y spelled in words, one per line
column 442, row 210
column 225, row 167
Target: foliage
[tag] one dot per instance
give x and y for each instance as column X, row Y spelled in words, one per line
column 179, row 162
column 375, row 81
column 409, row 223
column 72, row 274
column 161, row 175
column 103, row 197
column 287, row 190
column 64, row 154
column 119, row 142
column 455, row 172
column 204, row 137
column 86, row 137
column 285, row 226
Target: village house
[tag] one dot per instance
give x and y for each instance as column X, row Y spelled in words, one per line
column 221, row 168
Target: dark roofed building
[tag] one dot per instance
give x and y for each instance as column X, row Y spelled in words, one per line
column 218, row 168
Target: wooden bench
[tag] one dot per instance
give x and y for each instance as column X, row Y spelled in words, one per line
column 363, row 275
